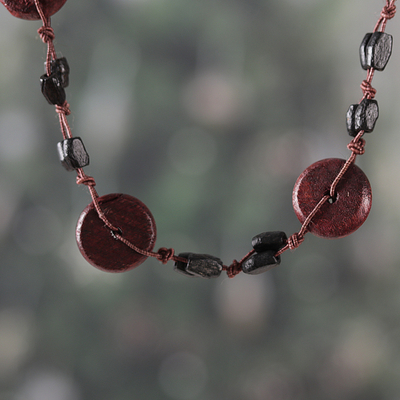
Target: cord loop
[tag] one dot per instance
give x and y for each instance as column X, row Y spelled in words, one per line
column 368, row 91
column 357, row 147
column 164, row 255
column 388, row 11
column 295, row 241
column 46, row 33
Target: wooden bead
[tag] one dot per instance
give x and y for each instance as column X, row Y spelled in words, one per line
column 269, row 241
column 362, row 117
column 52, row 89
column 98, row 244
column 200, row 265
column 61, row 69
column 342, row 215
column 375, row 50
column 73, row 154
column 26, row 9
column 261, row 262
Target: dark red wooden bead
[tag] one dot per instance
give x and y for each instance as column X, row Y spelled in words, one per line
column 341, row 215
column 26, row 9
column 97, row 242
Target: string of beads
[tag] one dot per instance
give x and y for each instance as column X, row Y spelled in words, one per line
column 117, row 232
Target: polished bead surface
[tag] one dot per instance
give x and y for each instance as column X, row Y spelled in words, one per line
column 72, row 153
column 98, row 244
column 362, row 117
column 366, row 115
column 200, row 265
column 375, row 50
column 261, row 262
column 52, row 90
column 342, row 215
column 26, row 9
column 273, row 240
column 60, row 68
column 350, row 120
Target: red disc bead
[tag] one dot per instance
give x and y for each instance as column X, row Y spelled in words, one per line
column 98, row 244
column 339, row 216
column 26, row 9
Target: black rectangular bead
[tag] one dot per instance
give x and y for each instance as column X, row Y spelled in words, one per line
column 52, row 90
column 260, row 262
column 200, row 265
column 375, row 50
column 274, row 240
column 73, row 154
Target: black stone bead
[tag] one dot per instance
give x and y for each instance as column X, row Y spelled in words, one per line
column 200, row 265
column 274, row 240
column 72, row 154
column 52, row 89
column 261, row 262
column 375, row 50
column 350, row 120
column 366, row 115
column 60, row 68
column 362, row 117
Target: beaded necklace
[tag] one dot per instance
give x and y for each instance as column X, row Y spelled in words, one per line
column 117, row 232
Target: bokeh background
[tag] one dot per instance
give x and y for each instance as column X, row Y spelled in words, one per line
column 207, row 111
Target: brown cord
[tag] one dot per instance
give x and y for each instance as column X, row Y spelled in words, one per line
column 388, row 12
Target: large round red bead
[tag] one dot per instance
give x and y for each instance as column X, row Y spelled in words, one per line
column 339, row 216
column 26, row 9
column 97, row 243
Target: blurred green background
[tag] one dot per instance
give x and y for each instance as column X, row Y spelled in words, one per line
column 207, row 111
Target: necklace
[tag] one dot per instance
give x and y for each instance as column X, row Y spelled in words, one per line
column 116, row 232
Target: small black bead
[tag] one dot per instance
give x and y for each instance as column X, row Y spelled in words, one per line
column 350, row 120
column 261, row 262
column 60, row 68
column 52, row 89
column 362, row 117
column 274, row 240
column 72, row 154
column 375, row 50
column 366, row 115
column 200, row 265
column 363, row 51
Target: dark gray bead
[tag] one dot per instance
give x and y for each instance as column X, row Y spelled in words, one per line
column 350, row 120
column 60, row 68
column 274, row 240
column 362, row 117
column 366, row 115
column 72, row 153
column 200, row 265
column 52, row 90
column 261, row 262
column 181, row 266
column 375, row 50
column 363, row 51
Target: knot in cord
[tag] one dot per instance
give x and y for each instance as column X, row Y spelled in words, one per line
column 85, row 180
column 63, row 109
column 389, row 11
column 164, row 255
column 234, row 269
column 295, row 241
column 368, row 91
column 357, row 147
column 46, row 33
